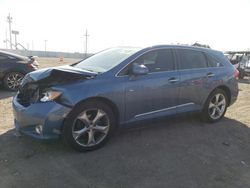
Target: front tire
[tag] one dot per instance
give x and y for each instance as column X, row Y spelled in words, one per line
column 215, row 106
column 89, row 126
column 12, row 80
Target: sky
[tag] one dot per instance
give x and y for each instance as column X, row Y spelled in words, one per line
column 222, row 24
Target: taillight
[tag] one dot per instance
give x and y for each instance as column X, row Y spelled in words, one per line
column 236, row 74
column 30, row 65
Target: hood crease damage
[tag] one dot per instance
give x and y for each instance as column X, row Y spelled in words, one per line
column 35, row 83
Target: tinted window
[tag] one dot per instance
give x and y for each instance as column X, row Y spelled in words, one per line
column 2, row 57
column 157, row 61
column 191, row 59
column 213, row 62
column 107, row 59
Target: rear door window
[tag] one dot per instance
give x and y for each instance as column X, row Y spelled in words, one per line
column 191, row 59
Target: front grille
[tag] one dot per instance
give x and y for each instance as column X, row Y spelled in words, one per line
column 28, row 94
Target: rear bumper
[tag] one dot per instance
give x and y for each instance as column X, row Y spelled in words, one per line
column 48, row 116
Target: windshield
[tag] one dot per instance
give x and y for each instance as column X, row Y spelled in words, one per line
column 107, row 59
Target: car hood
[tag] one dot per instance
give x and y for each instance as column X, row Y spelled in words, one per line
column 56, row 75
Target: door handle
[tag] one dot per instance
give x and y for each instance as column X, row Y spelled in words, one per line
column 209, row 75
column 173, row 80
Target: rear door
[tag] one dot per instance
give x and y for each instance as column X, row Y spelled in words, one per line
column 195, row 79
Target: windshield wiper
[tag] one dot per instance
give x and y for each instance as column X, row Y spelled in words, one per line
column 91, row 70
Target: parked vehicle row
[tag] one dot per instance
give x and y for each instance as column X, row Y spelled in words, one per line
column 13, row 68
column 241, row 62
column 85, row 102
column 247, row 68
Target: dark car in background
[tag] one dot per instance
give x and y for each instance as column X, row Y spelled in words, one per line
column 84, row 102
column 13, row 68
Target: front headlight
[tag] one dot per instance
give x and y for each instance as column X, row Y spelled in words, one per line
column 50, row 95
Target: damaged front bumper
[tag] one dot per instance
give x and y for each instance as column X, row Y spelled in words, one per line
column 40, row 120
column 44, row 120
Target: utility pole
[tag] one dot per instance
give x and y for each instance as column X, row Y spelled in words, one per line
column 45, row 45
column 86, row 43
column 15, row 33
column 9, row 20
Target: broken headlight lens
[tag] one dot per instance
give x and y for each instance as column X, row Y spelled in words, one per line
column 50, row 95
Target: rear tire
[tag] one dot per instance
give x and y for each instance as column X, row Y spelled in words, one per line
column 89, row 126
column 215, row 106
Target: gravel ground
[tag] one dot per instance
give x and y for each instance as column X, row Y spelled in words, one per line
column 176, row 152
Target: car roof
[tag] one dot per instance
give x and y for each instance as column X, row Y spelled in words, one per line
column 208, row 50
column 185, row 47
column 13, row 54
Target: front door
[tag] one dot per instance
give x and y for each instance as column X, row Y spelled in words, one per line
column 154, row 94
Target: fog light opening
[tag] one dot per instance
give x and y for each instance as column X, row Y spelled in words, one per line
column 39, row 129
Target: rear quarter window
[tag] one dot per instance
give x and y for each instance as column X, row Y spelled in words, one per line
column 213, row 61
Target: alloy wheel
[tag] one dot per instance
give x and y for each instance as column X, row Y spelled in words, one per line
column 90, row 127
column 217, row 106
column 13, row 80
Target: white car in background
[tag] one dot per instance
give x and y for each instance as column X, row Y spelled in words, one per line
column 247, row 68
column 239, row 61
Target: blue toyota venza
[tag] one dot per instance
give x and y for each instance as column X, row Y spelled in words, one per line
column 83, row 103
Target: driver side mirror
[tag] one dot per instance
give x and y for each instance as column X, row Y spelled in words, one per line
column 139, row 69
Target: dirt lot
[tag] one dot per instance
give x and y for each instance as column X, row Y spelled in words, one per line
column 180, row 152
